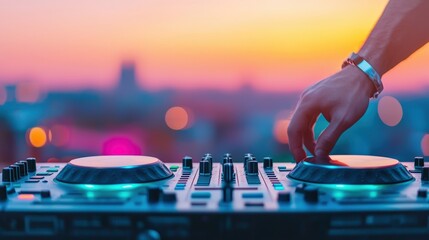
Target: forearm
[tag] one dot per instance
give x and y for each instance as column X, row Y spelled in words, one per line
column 401, row 30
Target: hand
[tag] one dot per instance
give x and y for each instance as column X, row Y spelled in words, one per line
column 341, row 98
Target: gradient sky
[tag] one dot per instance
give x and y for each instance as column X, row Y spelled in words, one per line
column 275, row 45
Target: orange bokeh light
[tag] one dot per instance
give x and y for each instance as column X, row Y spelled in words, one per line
column 280, row 127
column 177, row 118
column 425, row 144
column 37, row 137
column 390, row 111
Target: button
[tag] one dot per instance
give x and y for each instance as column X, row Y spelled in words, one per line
column 247, row 157
column 419, row 162
column 201, row 195
column 52, row 170
column 425, row 174
column 283, row 197
column 268, row 163
column 278, row 186
column 187, row 162
column 44, row 174
column 422, row 193
column 282, row 168
column 32, row 181
column 254, row 204
column 31, row 164
column 3, row 193
column 8, row 175
column 153, row 194
column 37, row 177
column 169, row 197
column 45, row 194
column 311, row 194
column 26, row 196
column 253, row 195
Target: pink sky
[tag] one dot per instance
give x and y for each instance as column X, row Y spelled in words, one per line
column 276, row 45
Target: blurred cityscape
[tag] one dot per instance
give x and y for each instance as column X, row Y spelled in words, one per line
column 57, row 126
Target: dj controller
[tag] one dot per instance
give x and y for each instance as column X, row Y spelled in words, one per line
column 140, row 197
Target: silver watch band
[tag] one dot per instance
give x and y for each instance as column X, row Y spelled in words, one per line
column 366, row 68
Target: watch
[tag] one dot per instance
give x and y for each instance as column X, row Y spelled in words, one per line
column 366, row 68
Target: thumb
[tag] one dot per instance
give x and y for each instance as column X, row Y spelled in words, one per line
column 327, row 139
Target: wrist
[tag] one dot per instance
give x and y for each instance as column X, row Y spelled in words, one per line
column 376, row 59
column 359, row 80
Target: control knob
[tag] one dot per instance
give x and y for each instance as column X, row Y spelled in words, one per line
column 187, row 162
column 205, row 168
column 268, row 163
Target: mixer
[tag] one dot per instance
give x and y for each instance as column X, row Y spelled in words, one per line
column 140, row 197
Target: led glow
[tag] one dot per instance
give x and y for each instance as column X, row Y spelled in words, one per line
column 176, row 118
column 390, row 111
column 26, row 196
column 425, row 144
column 108, row 187
column 37, row 137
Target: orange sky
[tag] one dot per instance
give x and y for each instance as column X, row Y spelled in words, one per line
column 274, row 44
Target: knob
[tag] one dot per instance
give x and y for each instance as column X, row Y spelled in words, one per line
column 268, row 163
column 283, row 197
column 3, row 193
column 8, row 175
column 45, row 194
column 31, row 162
column 419, row 162
column 205, row 168
column 153, row 194
column 228, row 172
column 425, row 174
column 422, row 193
column 247, row 157
column 208, row 157
column 22, row 169
column 16, row 173
column 25, row 167
column 311, row 194
column 187, row 162
column 227, row 158
column 252, row 168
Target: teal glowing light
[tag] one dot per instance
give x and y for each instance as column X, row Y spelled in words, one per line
column 109, row 187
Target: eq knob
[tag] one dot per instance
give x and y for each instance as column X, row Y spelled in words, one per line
column 252, row 167
column 208, row 157
column 16, row 173
column 419, row 162
column 8, row 175
column 31, row 162
column 425, row 174
column 247, row 157
column 283, row 197
column 21, row 168
column 25, row 167
column 187, row 162
column 205, row 168
column 228, row 172
column 227, row 158
column 268, row 163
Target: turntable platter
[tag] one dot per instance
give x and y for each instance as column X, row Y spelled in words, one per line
column 113, row 170
column 351, row 169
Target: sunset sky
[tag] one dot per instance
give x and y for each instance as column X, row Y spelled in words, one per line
column 275, row 45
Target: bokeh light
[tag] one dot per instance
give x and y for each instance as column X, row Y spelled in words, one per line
column 425, row 145
column 3, row 95
column 120, row 146
column 390, row 111
column 280, row 127
column 37, row 137
column 177, row 118
column 27, row 92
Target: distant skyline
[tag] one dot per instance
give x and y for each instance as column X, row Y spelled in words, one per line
column 273, row 45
